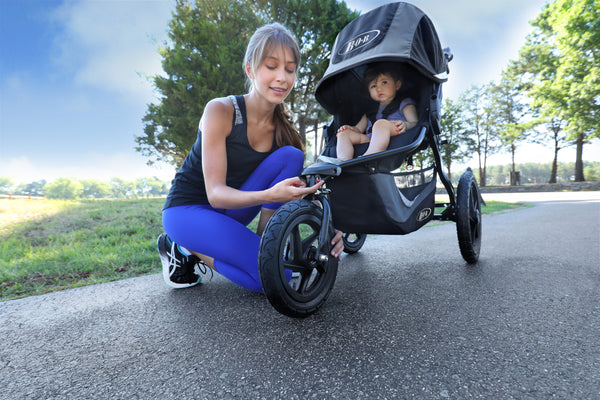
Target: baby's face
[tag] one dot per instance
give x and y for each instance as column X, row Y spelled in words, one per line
column 383, row 89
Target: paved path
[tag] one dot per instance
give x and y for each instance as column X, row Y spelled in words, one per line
column 407, row 318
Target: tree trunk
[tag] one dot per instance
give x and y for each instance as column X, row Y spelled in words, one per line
column 579, row 160
column 513, row 172
column 554, row 164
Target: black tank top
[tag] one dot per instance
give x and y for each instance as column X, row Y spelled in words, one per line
column 188, row 185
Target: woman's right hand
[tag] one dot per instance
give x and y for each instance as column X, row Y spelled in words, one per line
column 291, row 189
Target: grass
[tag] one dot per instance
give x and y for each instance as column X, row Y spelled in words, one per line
column 49, row 245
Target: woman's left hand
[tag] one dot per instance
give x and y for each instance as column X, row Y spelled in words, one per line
column 338, row 245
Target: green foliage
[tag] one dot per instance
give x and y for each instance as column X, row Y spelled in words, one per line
column 534, row 173
column 454, row 130
column 69, row 189
column 64, row 188
column 202, row 61
column 95, row 189
column 562, row 58
column 6, row 185
column 31, row 189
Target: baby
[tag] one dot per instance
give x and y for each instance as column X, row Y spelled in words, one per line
column 394, row 116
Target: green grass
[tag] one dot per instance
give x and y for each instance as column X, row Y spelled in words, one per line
column 49, row 245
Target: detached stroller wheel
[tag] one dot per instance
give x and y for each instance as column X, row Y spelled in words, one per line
column 468, row 217
column 294, row 280
column 353, row 242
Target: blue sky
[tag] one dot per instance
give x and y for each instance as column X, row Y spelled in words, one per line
column 73, row 86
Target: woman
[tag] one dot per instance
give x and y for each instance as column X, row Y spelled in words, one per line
column 246, row 160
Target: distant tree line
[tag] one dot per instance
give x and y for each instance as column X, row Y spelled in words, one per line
column 537, row 173
column 68, row 188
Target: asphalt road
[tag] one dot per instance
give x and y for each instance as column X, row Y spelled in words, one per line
column 407, row 319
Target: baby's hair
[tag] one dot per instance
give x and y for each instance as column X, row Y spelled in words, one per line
column 262, row 43
column 374, row 70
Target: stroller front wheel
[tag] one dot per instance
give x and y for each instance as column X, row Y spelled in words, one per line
column 295, row 278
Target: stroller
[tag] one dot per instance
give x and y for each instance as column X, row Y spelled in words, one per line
column 368, row 194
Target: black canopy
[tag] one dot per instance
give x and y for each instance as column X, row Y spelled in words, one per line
column 393, row 32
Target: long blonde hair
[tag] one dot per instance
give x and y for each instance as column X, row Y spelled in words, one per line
column 264, row 40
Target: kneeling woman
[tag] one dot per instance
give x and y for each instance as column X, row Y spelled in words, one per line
column 246, row 160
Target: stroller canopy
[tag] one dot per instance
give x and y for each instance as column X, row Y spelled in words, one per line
column 393, row 32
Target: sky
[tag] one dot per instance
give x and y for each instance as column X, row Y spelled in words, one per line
column 74, row 78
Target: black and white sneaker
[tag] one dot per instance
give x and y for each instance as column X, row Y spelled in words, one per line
column 179, row 270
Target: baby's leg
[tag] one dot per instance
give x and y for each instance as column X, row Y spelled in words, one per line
column 380, row 138
column 346, row 141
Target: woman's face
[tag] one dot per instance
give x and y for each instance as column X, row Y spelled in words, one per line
column 383, row 89
column 275, row 76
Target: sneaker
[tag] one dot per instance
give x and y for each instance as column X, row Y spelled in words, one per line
column 179, row 270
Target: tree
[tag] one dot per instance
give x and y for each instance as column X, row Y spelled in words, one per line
column 31, row 189
column 203, row 61
column 122, row 189
column 563, row 57
column 458, row 142
column 95, row 189
column 150, row 187
column 64, row 188
column 511, row 112
column 481, row 124
column 6, row 185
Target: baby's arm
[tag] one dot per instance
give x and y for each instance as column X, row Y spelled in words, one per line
column 410, row 113
column 360, row 127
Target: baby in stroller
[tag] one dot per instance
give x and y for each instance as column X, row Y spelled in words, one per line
column 394, row 115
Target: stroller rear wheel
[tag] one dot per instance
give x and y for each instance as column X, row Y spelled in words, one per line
column 468, row 217
column 295, row 279
column 353, row 242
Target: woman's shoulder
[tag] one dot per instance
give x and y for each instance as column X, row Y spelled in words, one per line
column 219, row 106
column 217, row 116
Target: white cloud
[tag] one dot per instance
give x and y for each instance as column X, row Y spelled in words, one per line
column 107, row 43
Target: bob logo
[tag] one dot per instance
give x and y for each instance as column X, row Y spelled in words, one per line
column 424, row 214
column 359, row 41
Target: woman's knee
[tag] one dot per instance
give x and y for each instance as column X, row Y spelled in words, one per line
column 291, row 154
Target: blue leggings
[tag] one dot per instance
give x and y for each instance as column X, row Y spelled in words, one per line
column 222, row 234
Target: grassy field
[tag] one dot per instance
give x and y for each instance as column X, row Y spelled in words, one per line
column 48, row 245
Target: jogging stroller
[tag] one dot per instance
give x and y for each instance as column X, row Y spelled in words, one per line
column 370, row 194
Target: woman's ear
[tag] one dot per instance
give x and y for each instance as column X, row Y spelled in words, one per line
column 249, row 70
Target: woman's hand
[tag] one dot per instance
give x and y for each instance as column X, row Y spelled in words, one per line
column 291, row 189
column 338, row 245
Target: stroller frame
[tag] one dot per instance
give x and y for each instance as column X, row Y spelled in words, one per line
column 296, row 268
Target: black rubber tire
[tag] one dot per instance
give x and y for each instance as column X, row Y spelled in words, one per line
column 288, row 245
column 468, row 217
column 353, row 242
